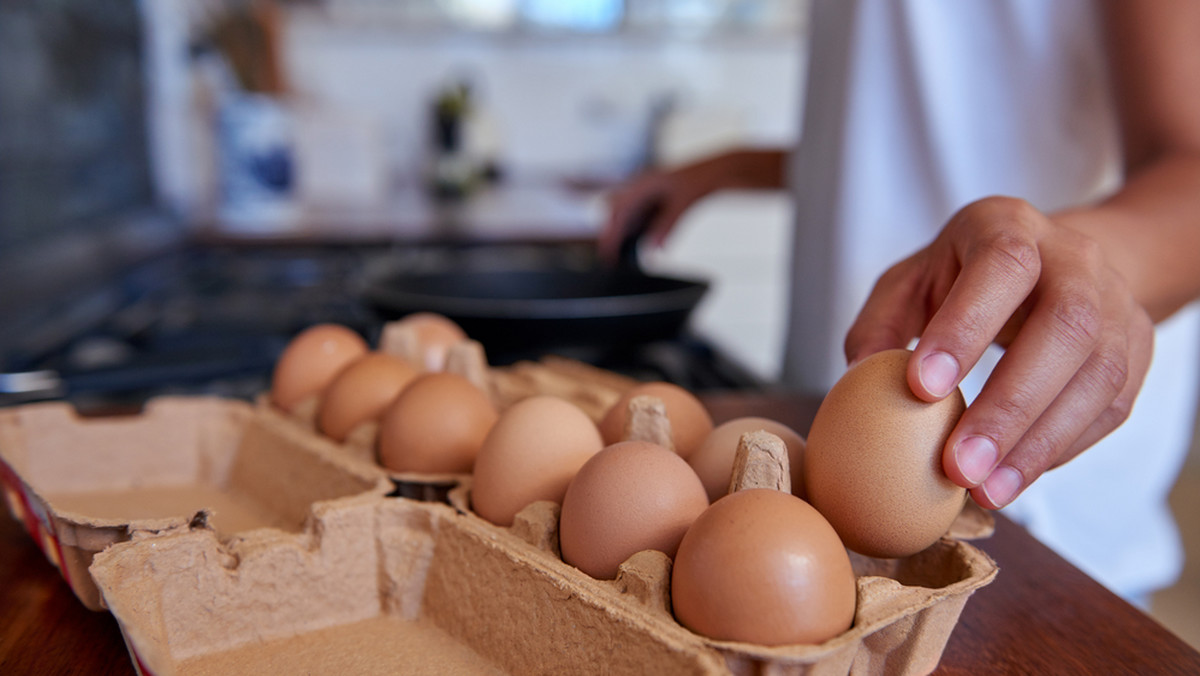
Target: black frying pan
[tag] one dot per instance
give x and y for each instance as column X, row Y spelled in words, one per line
column 530, row 311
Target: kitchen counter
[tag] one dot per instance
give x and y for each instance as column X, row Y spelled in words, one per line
column 1041, row 615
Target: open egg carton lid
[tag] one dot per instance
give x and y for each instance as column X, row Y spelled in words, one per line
column 82, row 484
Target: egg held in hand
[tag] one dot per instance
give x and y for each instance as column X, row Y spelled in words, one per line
column 311, row 360
column 762, row 566
column 873, row 465
column 531, row 453
column 361, row 392
column 629, row 497
column 436, row 425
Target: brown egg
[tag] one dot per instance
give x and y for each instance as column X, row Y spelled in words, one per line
column 361, row 392
column 713, row 460
column 690, row 421
column 631, row 496
column 436, row 425
column 311, row 360
column 762, row 566
column 873, row 465
column 435, row 334
column 531, row 454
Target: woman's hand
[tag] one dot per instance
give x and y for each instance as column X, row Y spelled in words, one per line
column 1078, row 344
column 661, row 196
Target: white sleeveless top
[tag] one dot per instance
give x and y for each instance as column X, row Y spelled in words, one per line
column 913, row 109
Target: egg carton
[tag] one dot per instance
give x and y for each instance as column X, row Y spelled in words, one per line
column 906, row 608
column 333, row 576
column 393, row 585
column 80, row 485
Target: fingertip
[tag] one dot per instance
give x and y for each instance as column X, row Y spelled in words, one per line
column 1001, row 487
column 971, row 460
column 933, row 376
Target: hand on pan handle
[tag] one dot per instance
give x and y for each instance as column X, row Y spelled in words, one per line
column 665, row 193
column 669, row 193
column 1078, row 344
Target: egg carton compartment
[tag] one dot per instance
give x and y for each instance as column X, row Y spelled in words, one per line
column 80, row 485
column 377, row 586
column 906, row 608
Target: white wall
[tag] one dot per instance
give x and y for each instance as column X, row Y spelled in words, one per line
column 558, row 104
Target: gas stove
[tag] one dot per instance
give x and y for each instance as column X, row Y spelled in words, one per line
column 212, row 319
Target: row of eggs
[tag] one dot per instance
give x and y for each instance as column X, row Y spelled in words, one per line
column 758, row 565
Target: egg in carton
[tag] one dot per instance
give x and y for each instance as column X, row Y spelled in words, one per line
column 352, row 394
column 347, row 404
column 905, row 608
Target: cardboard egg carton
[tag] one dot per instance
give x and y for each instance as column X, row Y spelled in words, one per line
column 389, row 585
column 906, row 608
column 81, row 485
column 375, row 587
column 322, row 572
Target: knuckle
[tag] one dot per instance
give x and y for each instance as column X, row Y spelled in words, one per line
column 970, row 327
column 1015, row 406
column 1014, row 253
column 1077, row 314
column 1111, row 370
column 1007, row 230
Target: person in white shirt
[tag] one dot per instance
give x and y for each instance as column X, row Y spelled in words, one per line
column 1035, row 169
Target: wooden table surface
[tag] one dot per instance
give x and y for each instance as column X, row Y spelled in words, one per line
column 1040, row 616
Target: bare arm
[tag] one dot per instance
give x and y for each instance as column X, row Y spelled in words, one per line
column 1071, row 295
column 675, row 191
column 1151, row 228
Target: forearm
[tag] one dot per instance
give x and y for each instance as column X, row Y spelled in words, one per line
column 743, row 168
column 1150, row 231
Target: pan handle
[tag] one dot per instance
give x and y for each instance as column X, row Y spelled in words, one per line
column 639, row 224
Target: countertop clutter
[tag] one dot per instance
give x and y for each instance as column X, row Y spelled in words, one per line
column 1040, row 615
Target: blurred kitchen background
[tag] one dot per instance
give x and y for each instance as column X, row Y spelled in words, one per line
column 186, row 183
column 367, row 125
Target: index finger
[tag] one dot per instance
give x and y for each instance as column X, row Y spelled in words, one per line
column 1001, row 265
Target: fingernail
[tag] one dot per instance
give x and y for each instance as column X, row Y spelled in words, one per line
column 976, row 456
column 939, row 373
column 1002, row 486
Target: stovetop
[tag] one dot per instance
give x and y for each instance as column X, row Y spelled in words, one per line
column 213, row 320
